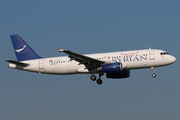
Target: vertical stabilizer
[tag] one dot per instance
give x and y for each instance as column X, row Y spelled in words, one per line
column 22, row 50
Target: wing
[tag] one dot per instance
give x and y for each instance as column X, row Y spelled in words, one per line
column 89, row 62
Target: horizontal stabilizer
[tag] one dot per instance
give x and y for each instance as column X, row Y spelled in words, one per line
column 17, row 63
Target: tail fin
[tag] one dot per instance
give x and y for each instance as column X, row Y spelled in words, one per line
column 22, row 50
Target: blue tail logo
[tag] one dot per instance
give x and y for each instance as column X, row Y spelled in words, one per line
column 22, row 50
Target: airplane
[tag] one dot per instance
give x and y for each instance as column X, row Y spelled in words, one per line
column 115, row 65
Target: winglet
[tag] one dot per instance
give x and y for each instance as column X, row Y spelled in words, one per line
column 60, row 50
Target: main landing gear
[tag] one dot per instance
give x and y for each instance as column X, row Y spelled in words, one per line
column 153, row 75
column 93, row 77
column 98, row 81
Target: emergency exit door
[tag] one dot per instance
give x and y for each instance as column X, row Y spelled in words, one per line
column 41, row 64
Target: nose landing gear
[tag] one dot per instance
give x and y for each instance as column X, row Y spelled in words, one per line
column 153, row 75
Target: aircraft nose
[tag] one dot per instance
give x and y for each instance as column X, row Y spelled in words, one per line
column 173, row 59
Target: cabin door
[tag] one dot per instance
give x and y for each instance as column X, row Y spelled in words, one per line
column 151, row 55
column 41, row 64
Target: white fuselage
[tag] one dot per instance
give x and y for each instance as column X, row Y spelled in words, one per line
column 137, row 59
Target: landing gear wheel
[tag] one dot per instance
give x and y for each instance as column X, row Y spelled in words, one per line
column 153, row 75
column 93, row 77
column 99, row 81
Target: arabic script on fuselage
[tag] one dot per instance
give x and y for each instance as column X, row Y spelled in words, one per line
column 130, row 53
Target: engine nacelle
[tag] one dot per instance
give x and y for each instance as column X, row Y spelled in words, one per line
column 111, row 67
column 121, row 74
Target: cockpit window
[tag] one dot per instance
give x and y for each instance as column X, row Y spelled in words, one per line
column 164, row 53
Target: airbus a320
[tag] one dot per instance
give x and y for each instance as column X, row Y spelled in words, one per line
column 115, row 65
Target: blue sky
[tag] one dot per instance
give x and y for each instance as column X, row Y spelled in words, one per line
column 90, row 27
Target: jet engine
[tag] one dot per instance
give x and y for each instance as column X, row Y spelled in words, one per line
column 111, row 67
column 121, row 74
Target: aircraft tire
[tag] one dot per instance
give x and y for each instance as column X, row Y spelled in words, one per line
column 153, row 75
column 99, row 81
column 93, row 77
